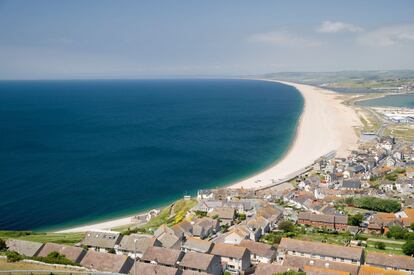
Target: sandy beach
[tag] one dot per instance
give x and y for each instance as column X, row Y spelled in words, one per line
column 325, row 125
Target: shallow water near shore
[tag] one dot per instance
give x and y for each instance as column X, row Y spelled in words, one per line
column 74, row 152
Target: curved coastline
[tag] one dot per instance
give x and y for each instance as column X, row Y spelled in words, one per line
column 325, row 125
column 323, row 114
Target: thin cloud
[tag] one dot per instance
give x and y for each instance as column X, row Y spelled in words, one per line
column 284, row 39
column 388, row 36
column 337, row 26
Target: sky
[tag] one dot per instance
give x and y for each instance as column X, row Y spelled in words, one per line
column 135, row 39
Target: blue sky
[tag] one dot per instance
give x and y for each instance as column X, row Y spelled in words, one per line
column 98, row 38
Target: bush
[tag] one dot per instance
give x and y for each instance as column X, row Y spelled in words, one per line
column 13, row 256
column 408, row 248
column 377, row 204
column 360, row 237
column 391, row 177
column 55, row 258
column 396, row 232
column 242, row 216
column 200, row 214
column 3, row 245
column 286, row 226
column 380, row 245
column 409, row 236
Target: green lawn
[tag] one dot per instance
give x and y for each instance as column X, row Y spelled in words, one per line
column 61, row 238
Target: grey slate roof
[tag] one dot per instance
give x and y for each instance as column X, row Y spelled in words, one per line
column 152, row 269
column 161, row 255
column 318, row 248
column 260, row 249
column 107, row 262
column 198, row 245
column 387, row 260
column 102, row 239
column 75, row 254
column 142, row 243
column 196, row 260
column 25, row 248
column 301, row 262
column 230, row 251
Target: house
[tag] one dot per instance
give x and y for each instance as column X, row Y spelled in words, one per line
column 380, row 222
column 266, row 269
column 183, row 228
column 152, row 269
column 313, row 266
column 24, row 248
column 205, row 194
column 387, row 261
column 168, row 237
column 372, row 270
column 259, row 252
column 107, row 262
column 271, row 214
column 406, row 216
column 135, row 245
column 75, row 254
column 162, row 256
column 259, row 222
column 197, row 245
column 316, row 250
column 207, row 205
column 236, row 235
column 226, row 215
column 101, row 240
column 200, row 262
column 334, row 222
column 234, row 258
column 353, row 184
column 205, row 227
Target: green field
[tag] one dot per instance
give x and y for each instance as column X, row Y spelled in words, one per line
column 61, row 238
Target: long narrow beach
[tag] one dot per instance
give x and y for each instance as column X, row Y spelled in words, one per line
column 325, row 125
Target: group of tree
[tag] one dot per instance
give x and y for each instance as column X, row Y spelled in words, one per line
column 355, row 219
column 375, row 204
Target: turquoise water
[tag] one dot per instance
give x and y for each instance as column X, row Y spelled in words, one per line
column 406, row 100
column 82, row 151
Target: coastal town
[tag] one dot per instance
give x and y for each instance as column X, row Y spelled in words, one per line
column 352, row 215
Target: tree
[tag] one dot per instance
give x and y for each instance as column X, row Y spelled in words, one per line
column 380, row 245
column 412, row 226
column 355, row 219
column 286, row 226
column 408, row 248
column 13, row 256
column 396, row 232
column 3, row 245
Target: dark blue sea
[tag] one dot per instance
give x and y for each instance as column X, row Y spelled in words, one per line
column 80, row 151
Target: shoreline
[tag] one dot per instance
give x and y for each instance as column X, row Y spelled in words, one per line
column 320, row 106
column 325, row 125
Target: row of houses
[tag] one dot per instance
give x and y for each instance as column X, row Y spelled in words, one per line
column 204, row 257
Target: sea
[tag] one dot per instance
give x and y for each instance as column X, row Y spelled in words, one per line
column 403, row 100
column 82, row 151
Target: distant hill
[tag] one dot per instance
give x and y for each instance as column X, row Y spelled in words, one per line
column 353, row 81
